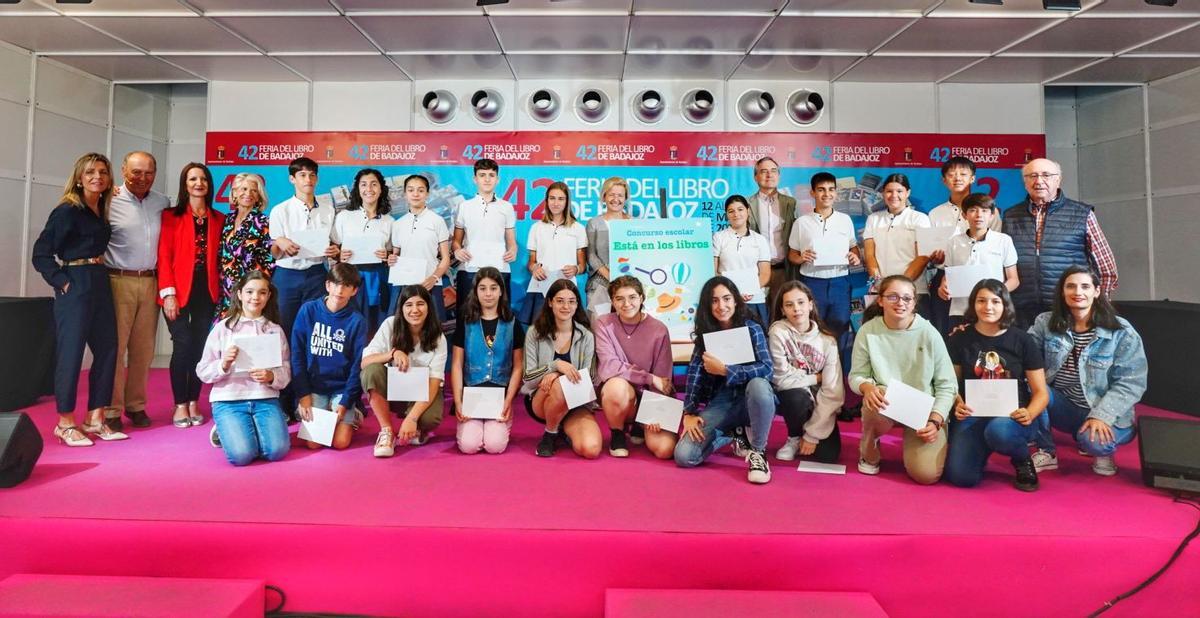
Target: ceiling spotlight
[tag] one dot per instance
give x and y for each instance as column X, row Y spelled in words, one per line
column 698, row 106
column 991, row 2
column 490, row 2
column 648, row 106
column 544, row 105
column 1161, row 2
column 755, row 107
column 487, row 105
column 804, row 107
column 438, row 106
column 591, row 106
column 1060, row 5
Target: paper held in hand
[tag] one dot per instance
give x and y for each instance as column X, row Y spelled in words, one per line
column 930, row 239
column 362, row 247
column 313, row 243
column 408, row 271
column 746, row 280
column 732, row 346
column 580, row 393
column 831, row 250
column 907, row 405
column 258, row 352
column 666, row 411
column 486, row 253
column 992, row 398
column 541, row 285
column 483, row 402
column 411, row 385
column 320, row 428
column 960, row 280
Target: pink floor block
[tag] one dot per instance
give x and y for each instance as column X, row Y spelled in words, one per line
column 129, row 597
column 634, row 603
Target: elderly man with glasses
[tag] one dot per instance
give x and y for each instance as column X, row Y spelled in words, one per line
column 1050, row 233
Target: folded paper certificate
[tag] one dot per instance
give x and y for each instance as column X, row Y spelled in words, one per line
column 732, row 346
column 992, row 397
column 960, row 280
column 411, row 385
column 483, row 402
column 821, row 468
column 408, row 271
column 540, row 286
column 362, row 247
column 486, row 253
column 320, row 429
column 831, row 250
column 313, row 243
column 602, row 308
column 907, row 405
column 578, row 393
column 930, row 239
column 661, row 409
column 746, row 280
column 258, row 352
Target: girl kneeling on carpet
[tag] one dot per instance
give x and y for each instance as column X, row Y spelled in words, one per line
column 1096, row 367
column 488, row 353
column 985, row 348
column 560, row 343
column 245, row 405
column 411, row 338
column 807, row 376
column 896, row 344
column 633, row 353
column 736, row 395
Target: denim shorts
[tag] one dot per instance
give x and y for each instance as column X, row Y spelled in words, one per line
column 353, row 416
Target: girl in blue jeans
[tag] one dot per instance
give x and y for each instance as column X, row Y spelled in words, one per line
column 737, row 395
column 984, row 347
column 245, row 404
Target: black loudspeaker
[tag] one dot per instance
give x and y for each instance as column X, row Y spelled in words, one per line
column 1170, row 453
column 20, row 447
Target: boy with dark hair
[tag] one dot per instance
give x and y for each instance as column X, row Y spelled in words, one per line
column 483, row 223
column 825, row 227
column 958, row 174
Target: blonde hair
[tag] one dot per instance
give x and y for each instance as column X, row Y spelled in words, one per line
column 615, row 181
column 73, row 190
column 261, row 188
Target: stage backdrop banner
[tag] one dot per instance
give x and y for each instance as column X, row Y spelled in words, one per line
column 672, row 257
column 671, row 175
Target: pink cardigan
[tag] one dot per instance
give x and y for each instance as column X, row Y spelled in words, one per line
column 230, row 386
column 650, row 340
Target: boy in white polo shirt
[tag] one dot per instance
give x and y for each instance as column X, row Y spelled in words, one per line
column 830, row 285
column 979, row 244
column 484, row 219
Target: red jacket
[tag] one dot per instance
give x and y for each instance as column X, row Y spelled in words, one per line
column 177, row 250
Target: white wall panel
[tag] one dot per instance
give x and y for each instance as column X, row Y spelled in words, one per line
column 1173, row 99
column 362, row 106
column 1124, row 225
column 12, row 228
column 1175, row 152
column 14, row 75
column 990, row 108
column 59, row 141
column 45, row 198
column 142, row 110
column 1062, row 136
column 258, row 106
column 1105, row 113
column 72, row 93
column 1176, row 227
column 14, row 119
column 883, row 108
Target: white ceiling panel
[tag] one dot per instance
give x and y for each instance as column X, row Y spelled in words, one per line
column 408, row 6
column 162, row 7
column 1189, row 7
column 428, row 33
column 236, row 68
column 345, row 68
column 1186, row 42
column 961, row 35
column 806, row 68
column 679, row 66
column 858, row 6
column 170, row 34
column 697, row 33
column 685, row 6
column 528, row 33
column 1130, row 70
column 852, row 34
column 560, row 6
column 905, row 68
column 299, row 34
column 541, row 66
column 26, row 8
column 1009, row 69
column 258, row 6
column 454, row 66
column 55, row 34
column 1023, row 7
column 1099, row 35
column 127, row 68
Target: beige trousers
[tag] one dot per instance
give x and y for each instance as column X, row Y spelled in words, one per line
column 135, row 302
column 923, row 461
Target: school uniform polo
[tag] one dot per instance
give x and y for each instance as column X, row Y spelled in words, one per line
column 293, row 215
column 557, row 245
column 895, row 239
column 419, row 235
column 485, row 221
column 807, row 229
column 995, row 249
column 738, row 252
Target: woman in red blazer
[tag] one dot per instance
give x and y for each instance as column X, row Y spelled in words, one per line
column 188, row 284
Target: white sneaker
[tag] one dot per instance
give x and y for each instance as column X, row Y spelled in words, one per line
column 760, row 470
column 420, row 439
column 213, row 437
column 1104, row 465
column 864, row 465
column 385, row 444
column 789, row 450
column 1044, row 460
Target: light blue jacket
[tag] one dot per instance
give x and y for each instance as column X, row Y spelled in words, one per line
column 1112, row 369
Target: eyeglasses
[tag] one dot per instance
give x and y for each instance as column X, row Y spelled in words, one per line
column 566, row 302
column 1040, row 176
column 896, row 298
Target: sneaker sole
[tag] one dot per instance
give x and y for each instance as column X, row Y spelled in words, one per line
column 760, row 481
column 1103, row 472
column 1025, row 488
column 782, row 458
column 1045, row 468
column 868, row 469
column 618, row 452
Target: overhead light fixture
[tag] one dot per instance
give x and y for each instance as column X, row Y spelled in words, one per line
column 487, row 105
column 648, row 106
column 1161, row 2
column 438, row 106
column 697, row 106
column 1060, row 5
column 804, row 107
column 991, row 2
column 544, row 105
column 490, row 2
column 591, row 106
column 755, row 107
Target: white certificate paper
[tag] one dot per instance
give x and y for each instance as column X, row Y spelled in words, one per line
column 907, row 405
column 930, row 239
column 960, row 280
column 580, row 393
column 486, row 253
column 320, row 429
column 483, row 402
column 746, row 280
column 661, row 409
column 408, row 271
column 992, row 397
column 258, row 352
column 602, row 308
column 312, row 242
column 540, row 286
column 732, row 346
column 362, row 247
column 831, row 250
column 411, row 385
column 817, row 467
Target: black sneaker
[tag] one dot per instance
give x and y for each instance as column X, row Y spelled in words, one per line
column 617, row 447
column 741, row 444
column 760, row 470
column 1026, row 476
column 637, row 434
column 847, row 414
column 547, row 445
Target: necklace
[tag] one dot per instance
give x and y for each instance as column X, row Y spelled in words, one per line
column 629, row 333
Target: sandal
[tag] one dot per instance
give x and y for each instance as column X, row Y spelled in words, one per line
column 71, row 436
column 103, row 431
column 182, row 422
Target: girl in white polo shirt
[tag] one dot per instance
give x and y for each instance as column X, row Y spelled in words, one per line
column 890, row 239
column 739, row 248
column 369, row 214
column 557, row 243
column 422, row 234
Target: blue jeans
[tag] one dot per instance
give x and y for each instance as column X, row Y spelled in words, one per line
column 1062, row 414
column 250, row 429
column 973, row 440
column 731, row 407
column 832, row 298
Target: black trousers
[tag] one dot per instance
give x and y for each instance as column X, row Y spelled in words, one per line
column 189, row 331
column 796, row 407
column 84, row 315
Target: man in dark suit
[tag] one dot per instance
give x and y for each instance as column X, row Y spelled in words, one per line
column 772, row 215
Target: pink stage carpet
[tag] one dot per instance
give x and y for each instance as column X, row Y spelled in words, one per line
column 432, row 532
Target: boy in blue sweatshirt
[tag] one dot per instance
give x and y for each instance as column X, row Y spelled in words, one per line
column 327, row 344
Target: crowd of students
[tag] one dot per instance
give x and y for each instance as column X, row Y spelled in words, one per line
column 1080, row 368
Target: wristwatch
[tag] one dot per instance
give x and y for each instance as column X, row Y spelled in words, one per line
column 936, row 423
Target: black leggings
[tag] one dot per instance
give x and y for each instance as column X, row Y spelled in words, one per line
column 188, row 334
column 796, row 407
